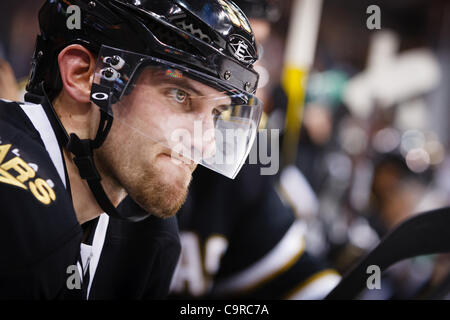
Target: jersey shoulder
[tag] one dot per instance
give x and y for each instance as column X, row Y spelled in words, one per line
column 14, row 120
column 27, row 172
column 37, row 213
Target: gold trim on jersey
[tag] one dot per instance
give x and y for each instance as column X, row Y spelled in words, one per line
column 310, row 281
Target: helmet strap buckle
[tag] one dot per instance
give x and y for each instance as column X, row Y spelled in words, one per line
column 84, row 158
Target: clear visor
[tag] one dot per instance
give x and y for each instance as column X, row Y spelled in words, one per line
column 191, row 117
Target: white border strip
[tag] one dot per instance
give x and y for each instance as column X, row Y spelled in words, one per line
column 37, row 115
column 97, row 247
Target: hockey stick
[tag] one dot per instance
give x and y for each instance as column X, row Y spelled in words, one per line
column 427, row 233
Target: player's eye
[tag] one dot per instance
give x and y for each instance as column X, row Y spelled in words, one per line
column 181, row 98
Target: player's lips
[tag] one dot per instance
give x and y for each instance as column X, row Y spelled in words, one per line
column 181, row 161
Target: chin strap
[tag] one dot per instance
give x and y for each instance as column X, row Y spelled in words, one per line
column 83, row 150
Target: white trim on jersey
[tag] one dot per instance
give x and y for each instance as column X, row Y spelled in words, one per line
column 97, row 246
column 290, row 247
column 37, row 115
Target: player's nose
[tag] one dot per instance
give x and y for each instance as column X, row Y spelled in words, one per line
column 205, row 142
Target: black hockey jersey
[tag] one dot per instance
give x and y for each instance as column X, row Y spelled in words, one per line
column 239, row 240
column 40, row 236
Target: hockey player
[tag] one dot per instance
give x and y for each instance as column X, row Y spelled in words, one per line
column 125, row 98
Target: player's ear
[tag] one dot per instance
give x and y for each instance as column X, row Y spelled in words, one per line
column 77, row 66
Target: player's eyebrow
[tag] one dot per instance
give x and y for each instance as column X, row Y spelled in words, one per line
column 182, row 83
column 186, row 84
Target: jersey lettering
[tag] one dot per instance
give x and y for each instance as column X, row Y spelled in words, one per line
column 17, row 172
column 194, row 271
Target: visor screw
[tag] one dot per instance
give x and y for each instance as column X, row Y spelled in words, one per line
column 91, row 5
column 247, row 86
column 108, row 73
column 115, row 60
column 227, row 75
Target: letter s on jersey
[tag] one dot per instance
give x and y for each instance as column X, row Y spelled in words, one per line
column 18, row 173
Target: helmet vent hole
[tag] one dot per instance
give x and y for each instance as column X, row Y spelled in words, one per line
column 172, row 39
column 192, row 29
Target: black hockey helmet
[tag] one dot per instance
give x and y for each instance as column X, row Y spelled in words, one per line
column 208, row 41
column 211, row 36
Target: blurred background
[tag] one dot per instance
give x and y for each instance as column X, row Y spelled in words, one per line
column 373, row 148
